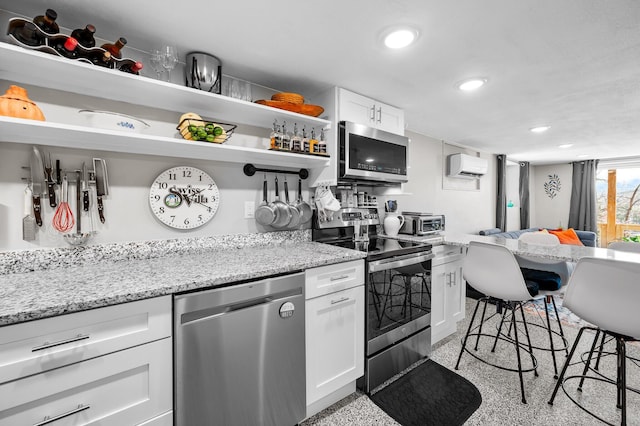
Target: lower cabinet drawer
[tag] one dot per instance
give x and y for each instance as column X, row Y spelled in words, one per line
column 37, row 346
column 124, row 388
column 331, row 278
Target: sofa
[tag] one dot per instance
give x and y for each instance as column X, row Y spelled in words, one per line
column 588, row 238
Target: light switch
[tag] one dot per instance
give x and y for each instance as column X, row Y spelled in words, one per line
column 249, row 209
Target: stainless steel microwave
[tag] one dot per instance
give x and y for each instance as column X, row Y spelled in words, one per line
column 368, row 154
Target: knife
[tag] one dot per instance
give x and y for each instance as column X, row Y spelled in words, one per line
column 85, row 188
column 37, row 181
column 51, row 184
column 102, row 184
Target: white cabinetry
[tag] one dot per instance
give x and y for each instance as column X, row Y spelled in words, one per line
column 334, row 332
column 448, row 291
column 343, row 105
column 363, row 110
column 110, row 365
column 28, row 67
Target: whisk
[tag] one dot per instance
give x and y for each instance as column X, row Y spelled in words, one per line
column 63, row 220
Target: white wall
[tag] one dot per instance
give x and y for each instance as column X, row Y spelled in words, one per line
column 128, row 216
column 551, row 212
column 466, row 211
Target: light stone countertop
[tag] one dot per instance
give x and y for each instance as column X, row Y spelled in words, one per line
column 563, row 252
column 43, row 293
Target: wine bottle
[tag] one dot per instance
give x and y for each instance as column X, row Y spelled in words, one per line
column 85, row 36
column 29, row 35
column 131, row 67
column 114, row 48
column 47, row 22
column 102, row 59
column 66, row 47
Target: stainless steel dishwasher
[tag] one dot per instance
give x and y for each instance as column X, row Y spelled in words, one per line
column 240, row 354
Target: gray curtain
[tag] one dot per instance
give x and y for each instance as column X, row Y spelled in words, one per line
column 582, row 210
column 524, row 194
column 501, row 192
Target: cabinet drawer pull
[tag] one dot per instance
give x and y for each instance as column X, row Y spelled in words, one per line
column 341, row 277
column 47, row 345
column 373, row 113
column 48, row 419
column 342, row 299
column 379, row 115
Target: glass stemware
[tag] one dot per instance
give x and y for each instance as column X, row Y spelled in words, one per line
column 157, row 59
column 169, row 59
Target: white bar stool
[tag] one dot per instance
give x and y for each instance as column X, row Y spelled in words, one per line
column 605, row 293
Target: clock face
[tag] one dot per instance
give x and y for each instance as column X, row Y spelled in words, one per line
column 184, row 197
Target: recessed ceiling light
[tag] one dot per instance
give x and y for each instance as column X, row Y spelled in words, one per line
column 369, row 160
column 399, row 37
column 472, row 84
column 539, row 129
column 566, row 145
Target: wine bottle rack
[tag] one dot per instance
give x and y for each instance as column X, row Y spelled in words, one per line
column 16, row 25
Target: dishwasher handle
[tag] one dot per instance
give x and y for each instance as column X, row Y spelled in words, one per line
column 219, row 310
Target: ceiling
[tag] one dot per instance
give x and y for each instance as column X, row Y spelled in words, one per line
column 570, row 64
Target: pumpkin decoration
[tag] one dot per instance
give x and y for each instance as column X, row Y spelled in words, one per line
column 16, row 103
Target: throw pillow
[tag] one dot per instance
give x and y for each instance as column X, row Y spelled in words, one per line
column 568, row 236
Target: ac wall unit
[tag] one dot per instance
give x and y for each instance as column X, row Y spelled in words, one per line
column 467, row 166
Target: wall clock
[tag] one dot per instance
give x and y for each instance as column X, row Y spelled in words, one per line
column 184, row 197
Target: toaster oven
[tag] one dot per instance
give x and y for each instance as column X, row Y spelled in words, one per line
column 422, row 223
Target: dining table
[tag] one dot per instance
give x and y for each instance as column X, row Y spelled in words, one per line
column 562, row 252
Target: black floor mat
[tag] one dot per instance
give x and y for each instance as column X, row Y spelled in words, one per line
column 430, row 394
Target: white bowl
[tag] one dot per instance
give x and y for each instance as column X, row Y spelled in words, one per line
column 114, row 121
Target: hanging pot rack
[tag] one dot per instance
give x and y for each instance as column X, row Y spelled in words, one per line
column 250, row 170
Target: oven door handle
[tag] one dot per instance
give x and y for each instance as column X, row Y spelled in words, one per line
column 386, row 264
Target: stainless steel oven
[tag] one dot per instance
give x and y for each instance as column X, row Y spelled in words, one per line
column 398, row 286
column 368, row 154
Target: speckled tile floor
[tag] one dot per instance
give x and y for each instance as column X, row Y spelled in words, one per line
column 500, row 389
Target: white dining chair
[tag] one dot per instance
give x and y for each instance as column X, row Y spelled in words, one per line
column 492, row 269
column 563, row 269
column 605, row 293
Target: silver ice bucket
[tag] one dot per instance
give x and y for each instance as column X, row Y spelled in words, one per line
column 203, row 71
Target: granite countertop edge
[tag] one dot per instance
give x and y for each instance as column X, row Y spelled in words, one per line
column 29, row 296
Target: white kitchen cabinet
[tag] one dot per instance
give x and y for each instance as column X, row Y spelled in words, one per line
column 124, row 388
column 343, row 105
column 363, row 110
column 111, row 365
column 448, row 291
column 37, row 346
column 334, row 327
column 23, row 66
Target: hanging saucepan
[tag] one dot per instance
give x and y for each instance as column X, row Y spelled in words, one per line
column 266, row 212
column 283, row 215
column 302, row 206
column 295, row 213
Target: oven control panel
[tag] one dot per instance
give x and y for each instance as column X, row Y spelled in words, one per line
column 351, row 216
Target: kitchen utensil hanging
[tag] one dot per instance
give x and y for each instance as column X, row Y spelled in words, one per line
column 63, row 220
column 296, row 215
column 265, row 213
column 43, row 182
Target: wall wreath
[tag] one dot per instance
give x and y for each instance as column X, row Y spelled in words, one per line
column 552, row 185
